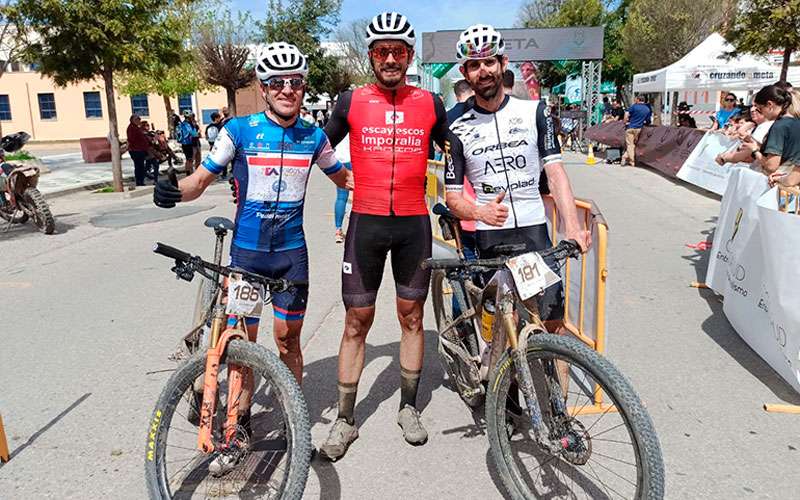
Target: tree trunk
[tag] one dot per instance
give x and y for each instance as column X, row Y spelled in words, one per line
column 231, row 101
column 170, row 112
column 116, row 157
column 787, row 54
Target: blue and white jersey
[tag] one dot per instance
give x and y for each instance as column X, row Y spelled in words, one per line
column 271, row 166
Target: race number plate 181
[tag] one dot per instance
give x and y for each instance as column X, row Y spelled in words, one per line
column 244, row 299
column 531, row 274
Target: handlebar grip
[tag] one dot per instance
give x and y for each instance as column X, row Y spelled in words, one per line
column 171, row 252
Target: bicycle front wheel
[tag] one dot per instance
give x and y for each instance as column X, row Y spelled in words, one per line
column 278, row 439
column 613, row 452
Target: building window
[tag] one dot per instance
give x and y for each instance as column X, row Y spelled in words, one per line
column 185, row 103
column 139, row 105
column 47, row 106
column 5, row 108
column 92, row 105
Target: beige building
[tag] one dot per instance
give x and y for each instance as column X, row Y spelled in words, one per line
column 34, row 104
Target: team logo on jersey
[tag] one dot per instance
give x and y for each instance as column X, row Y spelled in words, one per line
column 394, row 117
column 279, row 186
column 518, row 130
column 253, row 122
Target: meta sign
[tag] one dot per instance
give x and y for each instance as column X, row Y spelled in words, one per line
column 524, row 44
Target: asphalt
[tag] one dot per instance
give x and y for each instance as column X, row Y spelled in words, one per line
column 90, row 315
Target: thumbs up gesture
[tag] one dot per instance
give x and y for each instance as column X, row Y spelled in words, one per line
column 494, row 213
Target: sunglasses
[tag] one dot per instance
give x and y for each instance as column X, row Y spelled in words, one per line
column 279, row 84
column 469, row 50
column 382, row 53
column 730, row 100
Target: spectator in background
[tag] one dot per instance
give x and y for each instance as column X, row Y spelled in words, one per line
column 616, row 113
column 138, row 144
column 636, row 117
column 340, row 206
column 151, row 164
column 780, row 151
column 463, row 92
column 197, row 146
column 186, row 134
column 606, row 106
column 508, row 81
column 685, row 119
column 725, row 113
column 305, row 115
column 212, row 131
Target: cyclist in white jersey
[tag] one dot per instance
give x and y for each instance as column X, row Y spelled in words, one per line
column 500, row 146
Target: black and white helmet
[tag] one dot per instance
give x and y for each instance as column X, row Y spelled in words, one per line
column 278, row 59
column 390, row 26
column 479, row 41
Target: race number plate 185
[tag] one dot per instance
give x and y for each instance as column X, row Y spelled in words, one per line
column 531, row 274
column 244, row 299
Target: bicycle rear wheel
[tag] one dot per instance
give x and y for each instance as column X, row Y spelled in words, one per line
column 278, row 441
column 614, row 450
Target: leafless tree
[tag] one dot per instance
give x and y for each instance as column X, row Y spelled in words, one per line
column 537, row 13
column 351, row 50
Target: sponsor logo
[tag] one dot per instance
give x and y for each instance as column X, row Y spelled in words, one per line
column 489, row 189
column 260, row 137
column 502, row 145
column 279, row 186
column 253, row 123
column 518, row 130
column 504, row 164
column 515, row 121
column 287, row 172
column 394, row 117
column 736, row 222
column 347, row 268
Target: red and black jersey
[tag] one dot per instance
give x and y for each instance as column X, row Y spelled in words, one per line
column 390, row 133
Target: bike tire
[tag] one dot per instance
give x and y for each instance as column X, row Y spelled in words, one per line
column 293, row 405
column 615, row 387
column 43, row 218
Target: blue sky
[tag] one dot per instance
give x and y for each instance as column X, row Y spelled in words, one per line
column 425, row 15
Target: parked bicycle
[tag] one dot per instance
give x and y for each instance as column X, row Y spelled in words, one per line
column 248, row 433
column 546, row 436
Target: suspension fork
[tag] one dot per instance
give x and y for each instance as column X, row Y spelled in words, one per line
column 219, row 343
column 518, row 345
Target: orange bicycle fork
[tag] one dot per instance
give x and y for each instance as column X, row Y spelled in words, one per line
column 236, row 375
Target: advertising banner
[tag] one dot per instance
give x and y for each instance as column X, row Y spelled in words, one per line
column 700, row 168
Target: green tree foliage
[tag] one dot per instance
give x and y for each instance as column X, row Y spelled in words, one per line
column 78, row 40
column 658, row 33
column 764, row 25
column 305, row 23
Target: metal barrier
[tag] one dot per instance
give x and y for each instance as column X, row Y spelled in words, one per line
column 788, row 196
column 3, row 443
column 584, row 288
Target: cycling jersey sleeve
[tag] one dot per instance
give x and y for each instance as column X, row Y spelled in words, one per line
column 439, row 131
column 337, row 126
column 549, row 149
column 223, row 151
column 455, row 163
column 325, row 157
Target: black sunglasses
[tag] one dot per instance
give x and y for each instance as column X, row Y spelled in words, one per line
column 280, row 83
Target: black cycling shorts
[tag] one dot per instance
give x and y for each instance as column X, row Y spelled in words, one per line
column 535, row 238
column 369, row 239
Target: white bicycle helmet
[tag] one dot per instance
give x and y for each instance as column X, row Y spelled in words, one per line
column 390, row 26
column 479, row 41
column 278, row 59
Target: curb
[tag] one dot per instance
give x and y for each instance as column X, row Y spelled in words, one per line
column 84, row 187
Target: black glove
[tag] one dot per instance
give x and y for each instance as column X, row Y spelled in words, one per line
column 166, row 193
column 232, row 182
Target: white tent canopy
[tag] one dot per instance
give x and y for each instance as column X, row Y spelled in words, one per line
column 705, row 67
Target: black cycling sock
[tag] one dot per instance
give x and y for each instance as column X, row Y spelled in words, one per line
column 409, row 382
column 347, row 401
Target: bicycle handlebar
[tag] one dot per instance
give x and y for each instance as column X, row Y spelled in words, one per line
column 564, row 250
column 273, row 284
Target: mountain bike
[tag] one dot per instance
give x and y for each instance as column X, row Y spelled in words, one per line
column 248, row 434
column 546, row 437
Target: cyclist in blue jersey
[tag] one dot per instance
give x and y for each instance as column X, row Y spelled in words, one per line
column 272, row 154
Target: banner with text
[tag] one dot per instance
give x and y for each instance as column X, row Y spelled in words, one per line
column 755, row 266
column 700, row 168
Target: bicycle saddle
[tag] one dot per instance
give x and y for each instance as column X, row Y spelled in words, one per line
column 219, row 223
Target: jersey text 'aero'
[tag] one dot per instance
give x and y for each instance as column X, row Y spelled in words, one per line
column 271, row 167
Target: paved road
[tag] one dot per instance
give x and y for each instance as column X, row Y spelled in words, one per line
column 89, row 316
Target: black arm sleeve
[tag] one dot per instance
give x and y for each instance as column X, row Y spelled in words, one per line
column 549, row 148
column 439, row 131
column 455, row 163
column 337, row 127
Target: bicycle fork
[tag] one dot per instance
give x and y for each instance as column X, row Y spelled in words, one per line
column 525, row 380
column 219, row 342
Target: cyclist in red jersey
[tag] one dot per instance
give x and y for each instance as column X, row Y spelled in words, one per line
column 391, row 125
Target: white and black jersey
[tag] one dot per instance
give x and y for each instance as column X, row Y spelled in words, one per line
column 503, row 151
